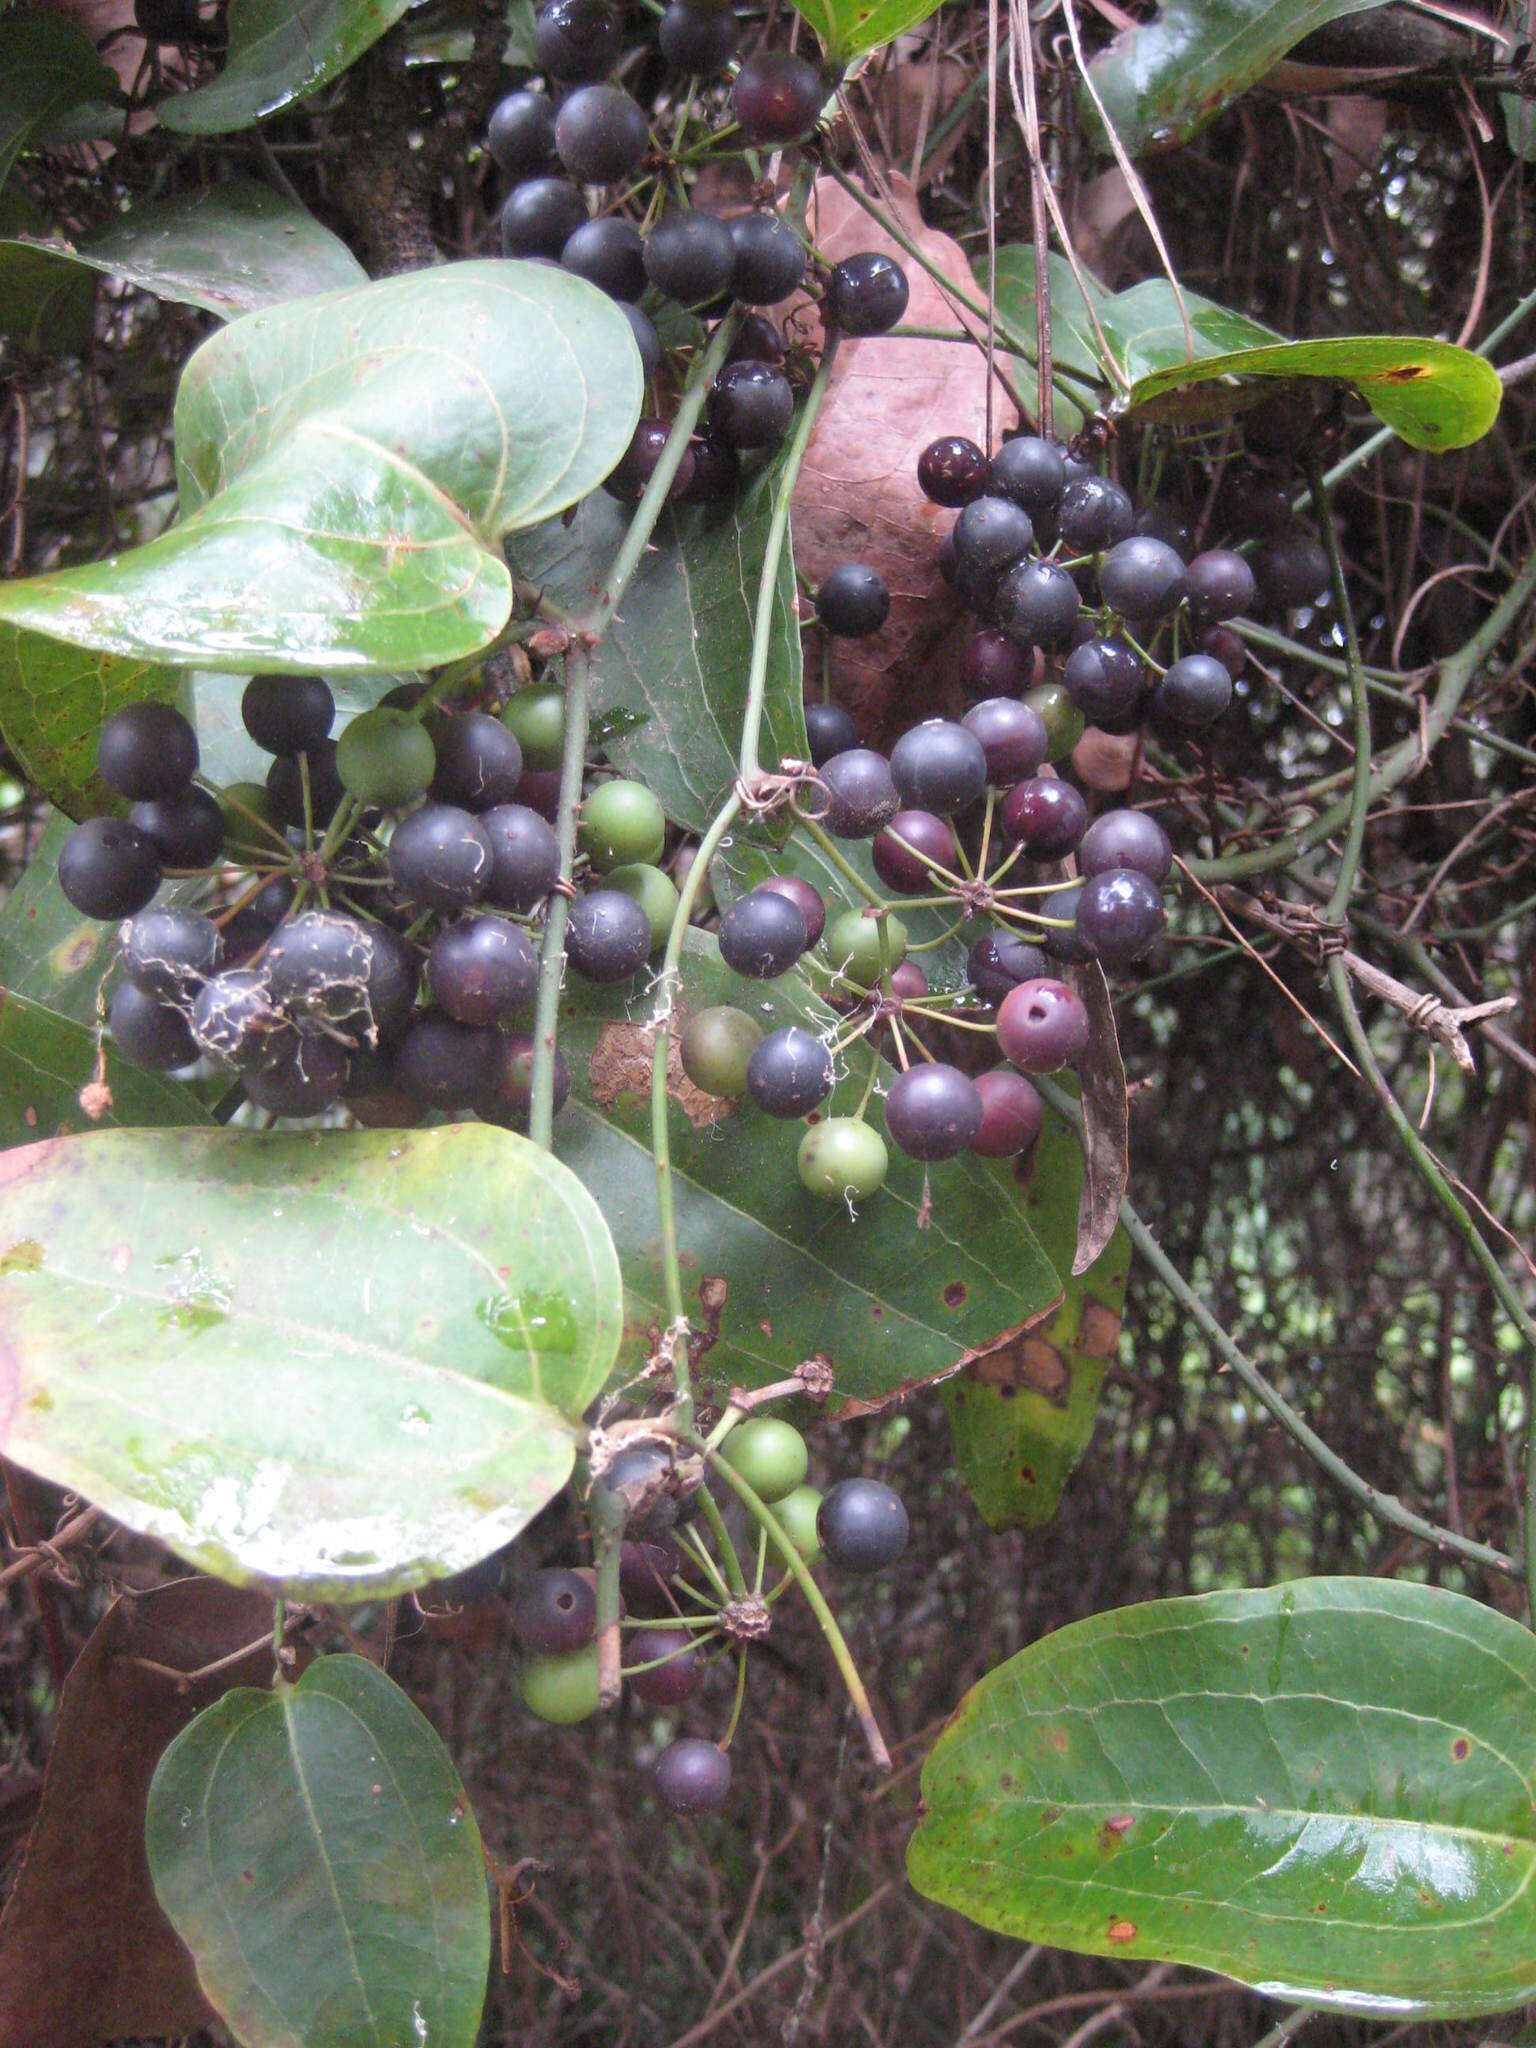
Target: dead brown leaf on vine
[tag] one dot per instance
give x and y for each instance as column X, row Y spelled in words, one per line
column 1106, row 1120
column 857, row 497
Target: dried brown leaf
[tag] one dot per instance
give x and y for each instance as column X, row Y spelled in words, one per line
column 1106, row 1121
column 857, row 497
column 86, row 1955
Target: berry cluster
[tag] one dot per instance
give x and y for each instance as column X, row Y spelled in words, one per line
column 364, row 926
column 679, row 1609
column 574, row 137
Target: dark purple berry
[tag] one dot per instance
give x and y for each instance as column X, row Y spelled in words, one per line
column 525, row 856
column 693, row 1776
column 610, row 254
column 698, row 39
column 689, row 256
column 1000, row 961
column 168, row 953
column 444, row 1063
column 716, row 471
column 539, row 216
column 1291, row 569
column 1014, row 741
column 600, row 134
column 481, row 970
column 1037, row 604
column 638, row 463
column 1041, row 1026
column 145, row 751
column 287, row 714
column 750, row 405
column 576, row 39
column 862, row 1525
column 505, row 1089
column 762, row 934
column 148, row 1032
column 807, row 900
column 861, row 795
column 1119, row 914
column 770, row 259
column 677, row 1666
column 932, row 1111
column 1046, row 816
column 187, row 831
column 866, row 294
column 777, row 97
column 1094, row 513
column 553, row 1610
column 992, row 665
column 1029, row 471
column 235, row 1020
column 108, row 868
column 789, row 1073
column 939, row 766
column 952, row 471
column 1170, row 524
column 303, row 1075
column 607, row 936
column 1219, row 585
column 479, row 761
column 898, row 852
column 1142, row 579
column 1011, row 1114
column 853, row 601
column 439, row 859
column 1191, row 695
column 1126, row 839
column 521, row 134
column 1107, row 681
column 829, row 730
column 287, row 780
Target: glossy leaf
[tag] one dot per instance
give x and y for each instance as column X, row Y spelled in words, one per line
column 54, row 700
column 1435, row 395
column 230, row 250
column 338, row 1363
column 50, row 953
column 279, row 51
column 851, row 28
column 1023, row 1416
column 1145, row 329
column 1074, row 345
column 1162, row 80
column 348, row 466
column 46, row 1060
column 53, row 86
column 314, row 1849
column 1322, row 1789
column 773, row 1274
column 677, row 657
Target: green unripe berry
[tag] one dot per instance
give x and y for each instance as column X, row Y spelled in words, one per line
column 852, row 945
column 536, row 716
column 562, row 1688
column 769, row 1454
column 1062, row 720
column 241, row 832
column 621, row 825
column 796, row 1516
column 716, row 1047
column 653, row 890
column 385, row 757
column 841, row 1158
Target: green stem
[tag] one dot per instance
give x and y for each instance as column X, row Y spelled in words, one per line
column 815, row 1599
column 1360, row 794
column 845, row 868
column 1385, row 1507
column 709, row 1508
column 546, row 1014
column 773, row 549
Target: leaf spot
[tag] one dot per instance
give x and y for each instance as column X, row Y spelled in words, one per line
column 1122, row 1930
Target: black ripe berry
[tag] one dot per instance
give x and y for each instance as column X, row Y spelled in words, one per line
column 1291, row 569
column 146, row 750
column 187, row 831
column 1063, row 941
column 506, row 1083
column 1094, row 514
column 698, row 38
column 866, row 294
column 647, row 340
column 235, row 1020
column 716, row 471
column 1038, row 604
column 853, row 601
column 554, row 1610
column 168, row 953
column 287, row 714
column 525, row 856
column 481, row 970
column 762, row 934
column 862, row 1525
column 770, row 260
column 479, row 762
column 607, row 936
column 789, row 1073
column 1106, row 680
column 539, row 216
column 861, row 795
column 439, row 858
column 1029, row 471
column 829, row 730
column 932, row 1111
column 750, row 405
column 1045, row 816
column 148, row 1032
column 693, row 1776
column 165, row 21
column 1126, row 839
column 1000, row 961
column 1219, row 585
column 952, row 471
column 1119, row 914
column 108, row 868
column 939, row 766
column 990, row 535
column 689, row 255
column 610, row 254
column 1014, row 741
column 776, row 98
column 576, row 39
column 600, row 134
column 286, row 782
column 521, row 134
column 807, row 900
column 1142, row 579
column 758, row 340
column 303, row 1075
column 1192, row 694
column 637, row 464
column 444, row 1063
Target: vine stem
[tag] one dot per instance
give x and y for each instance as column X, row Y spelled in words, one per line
column 814, row 1598
column 1360, row 792
column 1385, row 1507
column 546, row 1015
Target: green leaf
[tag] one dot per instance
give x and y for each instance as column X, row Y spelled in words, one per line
column 279, row 51
column 315, row 1850
column 1022, row 1417
column 49, row 953
column 53, row 86
column 1435, row 395
column 338, row 1364
column 349, row 465
column 45, row 1061
column 230, row 250
column 1164, row 79
column 1519, row 113
column 54, row 700
column 1074, row 346
column 1321, row 1789
column 678, row 654
column 851, row 28
column 1146, row 331
column 773, row 1274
